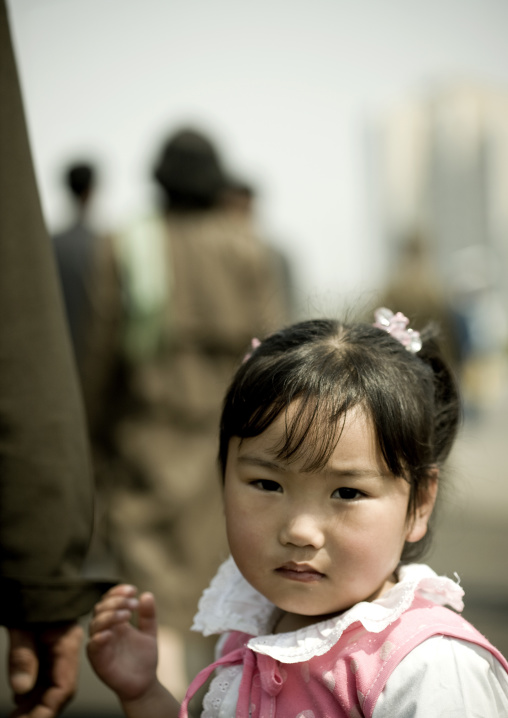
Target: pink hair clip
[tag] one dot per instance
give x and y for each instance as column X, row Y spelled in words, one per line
column 396, row 325
column 254, row 343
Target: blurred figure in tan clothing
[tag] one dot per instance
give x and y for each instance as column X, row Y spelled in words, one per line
column 195, row 285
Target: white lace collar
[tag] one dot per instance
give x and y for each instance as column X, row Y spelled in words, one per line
column 230, row 603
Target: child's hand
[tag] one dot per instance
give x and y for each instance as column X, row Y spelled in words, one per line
column 123, row 656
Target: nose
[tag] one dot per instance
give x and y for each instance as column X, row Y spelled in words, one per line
column 302, row 529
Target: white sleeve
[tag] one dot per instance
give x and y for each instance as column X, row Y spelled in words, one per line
column 445, row 677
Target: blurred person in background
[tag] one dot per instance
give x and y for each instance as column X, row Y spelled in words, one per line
column 74, row 250
column 45, row 478
column 84, row 257
column 193, row 287
column 416, row 287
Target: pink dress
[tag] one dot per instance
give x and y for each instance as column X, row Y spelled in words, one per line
column 338, row 667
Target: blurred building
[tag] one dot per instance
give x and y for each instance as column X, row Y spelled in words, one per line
column 442, row 161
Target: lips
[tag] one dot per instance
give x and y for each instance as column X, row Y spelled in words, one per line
column 302, row 572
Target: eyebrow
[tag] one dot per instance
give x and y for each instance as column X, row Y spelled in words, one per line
column 361, row 473
column 366, row 473
column 261, row 462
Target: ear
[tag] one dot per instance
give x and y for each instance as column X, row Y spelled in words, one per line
column 419, row 522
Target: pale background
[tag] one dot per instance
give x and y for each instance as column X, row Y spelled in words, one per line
column 290, row 89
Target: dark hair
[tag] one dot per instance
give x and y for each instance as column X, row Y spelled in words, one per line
column 189, row 171
column 331, row 367
column 80, row 178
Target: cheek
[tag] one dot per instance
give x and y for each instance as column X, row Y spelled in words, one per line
column 235, row 506
column 374, row 534
column 250, row 534
column 240, row 524
column 244, row 526
column 245, row 545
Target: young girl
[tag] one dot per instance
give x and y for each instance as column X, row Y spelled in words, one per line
column 332, row 441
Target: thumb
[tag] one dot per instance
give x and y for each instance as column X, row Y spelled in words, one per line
column 147, row 620
column 23, row 664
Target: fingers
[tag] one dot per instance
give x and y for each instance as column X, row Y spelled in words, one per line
column 114, row 609
column 63, row 650
column 23, row 664
column 123, row 590
column 115, row 603
column 147, row 621
column 58, row 649
column 113, row 615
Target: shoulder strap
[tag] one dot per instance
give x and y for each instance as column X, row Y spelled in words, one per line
column 423, row 620
column 236, row 656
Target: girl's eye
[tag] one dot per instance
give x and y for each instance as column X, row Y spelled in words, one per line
column 267, row 485
column 346, row 492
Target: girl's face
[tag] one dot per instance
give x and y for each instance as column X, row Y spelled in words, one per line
column 316, row 543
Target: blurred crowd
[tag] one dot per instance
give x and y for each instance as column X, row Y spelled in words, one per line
column 160, row 313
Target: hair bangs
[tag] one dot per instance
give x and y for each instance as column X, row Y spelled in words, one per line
column 313, row 429
column 314, row 396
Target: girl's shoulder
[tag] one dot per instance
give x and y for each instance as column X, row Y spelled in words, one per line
column 363, row 663
column 451, row 677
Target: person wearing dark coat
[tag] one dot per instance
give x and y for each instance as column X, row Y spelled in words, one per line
column 45, row 479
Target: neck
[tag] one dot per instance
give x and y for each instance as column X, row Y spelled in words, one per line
column 289, row 622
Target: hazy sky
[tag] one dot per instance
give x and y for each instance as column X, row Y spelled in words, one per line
column 288, row 88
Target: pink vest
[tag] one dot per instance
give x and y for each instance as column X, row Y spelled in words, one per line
column 346, row 681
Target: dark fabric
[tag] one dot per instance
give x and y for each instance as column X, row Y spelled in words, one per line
column 45, row 478
column 48, row 601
